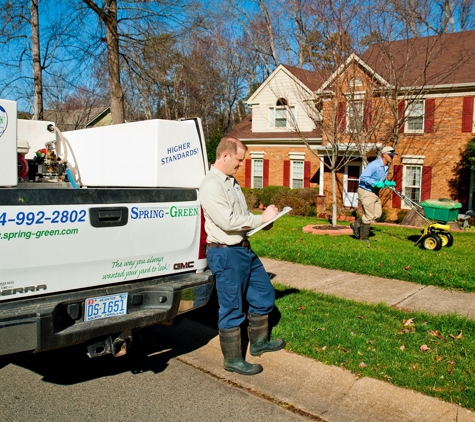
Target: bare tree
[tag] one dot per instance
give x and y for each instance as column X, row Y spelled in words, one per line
column 259, row 25
column 139, row 22
column 195, row 76
column 418, row 18
column 37, row 71
column 107, row 14
column 15, row 24
column 33, row 65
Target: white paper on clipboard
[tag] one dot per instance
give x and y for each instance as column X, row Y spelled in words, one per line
column 284, row 211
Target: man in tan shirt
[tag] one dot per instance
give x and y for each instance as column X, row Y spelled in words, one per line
column 240, row 276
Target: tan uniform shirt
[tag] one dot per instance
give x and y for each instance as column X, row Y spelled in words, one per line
column 227, row 215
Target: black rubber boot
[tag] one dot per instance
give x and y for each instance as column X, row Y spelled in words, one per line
column 259, row 336
column 364, row 232
column 230, row 341
column 356, row 225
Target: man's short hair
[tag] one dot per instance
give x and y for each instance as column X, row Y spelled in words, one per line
column 230, row 145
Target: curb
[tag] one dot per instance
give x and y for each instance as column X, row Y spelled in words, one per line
column 322, row 392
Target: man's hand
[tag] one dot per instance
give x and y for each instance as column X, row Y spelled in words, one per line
column 270, row 212
column 378, row 185
column 389, row 183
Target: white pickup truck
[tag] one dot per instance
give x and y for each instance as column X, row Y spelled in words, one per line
column 101, row 231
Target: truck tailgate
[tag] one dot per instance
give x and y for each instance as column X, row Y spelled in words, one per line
column 55, row 240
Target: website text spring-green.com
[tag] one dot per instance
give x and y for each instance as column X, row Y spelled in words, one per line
column 20, row 234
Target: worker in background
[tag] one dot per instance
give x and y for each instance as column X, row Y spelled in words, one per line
column 372, row 180
column 239, row 274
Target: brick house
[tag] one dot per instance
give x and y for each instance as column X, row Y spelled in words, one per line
column 416, row 95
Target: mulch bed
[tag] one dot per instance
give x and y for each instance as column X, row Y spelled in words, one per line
column 328, row 229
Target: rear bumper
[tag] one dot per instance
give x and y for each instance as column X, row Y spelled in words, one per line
column 54, row 321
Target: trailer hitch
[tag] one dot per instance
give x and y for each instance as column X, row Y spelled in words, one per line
column 116, row 345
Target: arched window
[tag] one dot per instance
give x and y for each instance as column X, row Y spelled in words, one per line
column 281, row 115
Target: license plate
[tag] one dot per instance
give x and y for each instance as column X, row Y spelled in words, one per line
column 105, row 307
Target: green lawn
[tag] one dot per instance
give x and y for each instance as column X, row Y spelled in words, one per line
column 434, row 355
column 392, row 253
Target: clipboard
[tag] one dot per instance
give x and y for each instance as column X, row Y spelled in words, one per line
column 283, row 212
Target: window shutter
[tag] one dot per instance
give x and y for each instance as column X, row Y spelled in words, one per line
column 287, row 173
column 265, row 182
column 397, row 177
column 306, row 174
column 467, row 114
column 400, row 111
column 368, row 111
column 426, row 182
column 429, row 115
column 341, row 117
column 248, row 172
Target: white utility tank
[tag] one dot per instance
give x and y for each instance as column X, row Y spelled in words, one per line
column 152, row 153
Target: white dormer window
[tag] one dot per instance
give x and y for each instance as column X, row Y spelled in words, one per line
column 281, row 115
column 354, row 82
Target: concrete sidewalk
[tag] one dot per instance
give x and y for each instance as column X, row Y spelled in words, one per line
column 329, row 393
column 363, row 288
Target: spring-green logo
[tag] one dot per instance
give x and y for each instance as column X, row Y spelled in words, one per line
column 183, row 211
column 3, row 120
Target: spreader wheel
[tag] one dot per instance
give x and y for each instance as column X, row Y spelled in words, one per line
column 431, row 242
column 446, row 238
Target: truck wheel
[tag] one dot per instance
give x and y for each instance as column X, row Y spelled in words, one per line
column 431, row 242
column 446, row 238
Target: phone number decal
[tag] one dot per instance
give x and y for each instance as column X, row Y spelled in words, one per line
column 40, row 217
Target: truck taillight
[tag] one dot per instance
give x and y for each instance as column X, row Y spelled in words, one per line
column 203, row 246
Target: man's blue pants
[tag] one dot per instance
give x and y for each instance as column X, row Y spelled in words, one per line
column 240, row 276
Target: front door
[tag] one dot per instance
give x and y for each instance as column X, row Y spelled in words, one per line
column 350, row 184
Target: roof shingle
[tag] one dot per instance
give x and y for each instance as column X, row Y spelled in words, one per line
column 436, row 60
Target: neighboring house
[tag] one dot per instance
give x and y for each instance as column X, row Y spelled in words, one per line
column 416, row 95
column 66, row 120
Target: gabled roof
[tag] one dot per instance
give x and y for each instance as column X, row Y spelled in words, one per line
column 76, row 119
column 307, row 79
column 446, row 59
column 353, row 58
